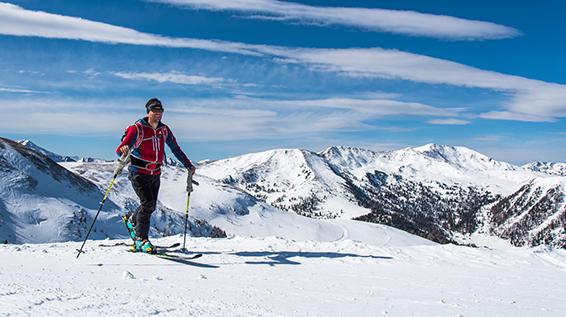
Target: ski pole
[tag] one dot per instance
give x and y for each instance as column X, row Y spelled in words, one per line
column 121, row 163
column 190, row 183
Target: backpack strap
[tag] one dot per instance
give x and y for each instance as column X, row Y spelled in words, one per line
column 139, row 139
column 165, row 133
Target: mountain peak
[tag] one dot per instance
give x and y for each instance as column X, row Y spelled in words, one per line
column 461, row 157
column 26, row 142
column 552, row 168
column 350, row 157
column 434, row 147
column 54, row 156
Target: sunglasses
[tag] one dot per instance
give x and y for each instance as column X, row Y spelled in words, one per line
column 156, row 109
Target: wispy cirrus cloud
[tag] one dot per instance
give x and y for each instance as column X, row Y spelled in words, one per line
column 172, row 77
column 366, row 108
column 488, row 138
column 219, row 119
column 393, row 21
column 448, row 122
column 529, row 100
column 513, row 116
column 20, row 90
column 17, row 21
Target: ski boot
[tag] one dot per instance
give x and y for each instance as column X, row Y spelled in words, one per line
column 143, row 246
column 130, row 226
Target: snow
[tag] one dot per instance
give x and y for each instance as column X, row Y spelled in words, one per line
column 553, row 168
column 273, row 263
column 288, row 176
column 271, row 276
column 433, row 163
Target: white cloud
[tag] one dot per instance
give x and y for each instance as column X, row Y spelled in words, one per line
column 488, row 138
column 17, row 21
column 511, row 116
column 212, row 119
column 381, row 20
column 374, row 107
column 20, row 90
column 448, row 122
column 369, row 108
column 530, row 100
column 171, row 77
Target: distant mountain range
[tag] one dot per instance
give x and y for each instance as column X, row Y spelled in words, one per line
column 442, row 193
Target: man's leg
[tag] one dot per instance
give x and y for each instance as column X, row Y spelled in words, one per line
column 146, row 187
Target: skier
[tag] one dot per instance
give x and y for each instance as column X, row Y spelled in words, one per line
column 145, row 140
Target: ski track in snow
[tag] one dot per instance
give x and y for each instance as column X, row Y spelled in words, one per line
column 273, row 276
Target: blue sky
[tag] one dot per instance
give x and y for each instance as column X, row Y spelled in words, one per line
column 250, row 75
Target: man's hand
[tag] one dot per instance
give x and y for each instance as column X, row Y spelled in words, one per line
column 123, row 160
column 190, row 179
column 192, row 170
column 125, row 149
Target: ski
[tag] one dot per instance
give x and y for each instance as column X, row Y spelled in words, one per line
column 185, row 259
column 178, row 258
column 166, row 255
column 117, row 244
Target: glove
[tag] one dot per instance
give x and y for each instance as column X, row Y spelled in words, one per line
column 122, row 162
column 190, row 182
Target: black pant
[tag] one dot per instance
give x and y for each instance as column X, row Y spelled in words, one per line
column 147, row 188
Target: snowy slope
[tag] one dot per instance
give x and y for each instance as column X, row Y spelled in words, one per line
column 535, row 214
column 552, row 168
column 281, row 277
column 435, row 191
column 432, row 164
column 41, row 201
column 234, row 211
column 289, row 179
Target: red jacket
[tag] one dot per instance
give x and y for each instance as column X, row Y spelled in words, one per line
column 147, row 146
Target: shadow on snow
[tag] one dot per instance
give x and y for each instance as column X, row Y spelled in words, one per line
column 284, row 257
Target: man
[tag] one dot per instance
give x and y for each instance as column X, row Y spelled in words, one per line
column 145, row 141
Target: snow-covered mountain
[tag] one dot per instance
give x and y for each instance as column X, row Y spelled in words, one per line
column 297, row 180
column 230, row 210
column 534, row 215
column 431, row 164
column 41, row 201
column 553, row 168
column 441, row 193
column 54, row 156
column 435, row 191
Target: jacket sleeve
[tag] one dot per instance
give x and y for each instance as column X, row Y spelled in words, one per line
column 176, row 149
column 129, row 138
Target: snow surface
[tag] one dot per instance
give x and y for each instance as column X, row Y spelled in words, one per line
column 288, row 175
column 273, row 276
column 554, row 168
column 276, row 263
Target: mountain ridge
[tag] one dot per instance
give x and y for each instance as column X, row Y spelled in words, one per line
column 434, row 191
